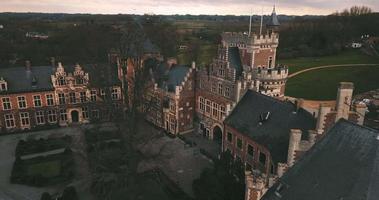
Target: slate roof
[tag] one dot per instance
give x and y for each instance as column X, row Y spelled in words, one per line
column 274, row 132
column 169, row 78
column 20, row 80
column 235, row 60
column 274, row 21
column 342, row 165
column 149, row 47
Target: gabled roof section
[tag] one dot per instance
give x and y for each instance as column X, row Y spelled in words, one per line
column 342, row 165
column 235, row 60
column 20, row 79
column 169, row 77
column 268, row 121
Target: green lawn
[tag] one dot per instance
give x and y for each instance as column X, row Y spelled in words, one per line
column 322, row 84
column 347, row 57
column 45, row 169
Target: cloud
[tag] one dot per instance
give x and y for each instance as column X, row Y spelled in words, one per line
column 238, row 7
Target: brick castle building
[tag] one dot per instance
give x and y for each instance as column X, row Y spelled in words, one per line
column 244, row 61
column 34, row 97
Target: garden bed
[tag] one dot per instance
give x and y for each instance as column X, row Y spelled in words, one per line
column 44, row 171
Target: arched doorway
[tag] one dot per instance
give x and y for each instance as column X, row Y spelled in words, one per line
column 217, row 134
column 74, row 116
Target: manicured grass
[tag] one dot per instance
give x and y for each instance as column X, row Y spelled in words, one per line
column 45, row 169
column 347, row 57
column 322, row 84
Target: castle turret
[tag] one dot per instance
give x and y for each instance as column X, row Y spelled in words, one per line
column 274, row 24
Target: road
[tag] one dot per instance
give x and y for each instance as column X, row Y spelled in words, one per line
column 330, row 66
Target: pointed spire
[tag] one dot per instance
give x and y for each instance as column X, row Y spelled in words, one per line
column 274, row 21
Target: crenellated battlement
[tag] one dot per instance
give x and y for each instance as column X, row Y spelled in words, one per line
column 238, row 39
column 272, row 38
column 277, row 73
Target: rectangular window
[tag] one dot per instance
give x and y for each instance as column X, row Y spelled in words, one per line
column 9, row 121
column 262, row 158
column 93, row 95
column 51, row 116
column 61, row 98
column 214, row 87
column 221, row 72
column 21, row 102
column 202, row 104
column 72, row 96
column 40, row 118
column 115, row 95
column 83, row 97
column 102, row 94
column 215, row 110
column 227, row 91
column 24, row 116
column 172, row 107
column 220, row 89
column 85, row 112
column 63, row 114
column 239, row 143
column 37, row 101
column 50, row 99
column 250, row 150
column 208, row 106
column 230, row 137
column 3, row 87
column 223, row 111
column 7, row 103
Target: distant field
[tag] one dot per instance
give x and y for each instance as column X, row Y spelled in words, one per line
column 347, row 57
column 322, row 84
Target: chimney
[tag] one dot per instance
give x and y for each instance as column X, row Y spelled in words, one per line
column 294, row 145
column 28, row 65
column 360, row 109
column 323, row 111
column 344, row 95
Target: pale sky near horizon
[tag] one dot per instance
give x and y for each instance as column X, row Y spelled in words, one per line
column 221, row 7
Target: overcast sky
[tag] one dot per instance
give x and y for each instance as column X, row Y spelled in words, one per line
column 236, row 7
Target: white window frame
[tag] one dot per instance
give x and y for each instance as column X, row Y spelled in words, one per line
column 9, row 121
column 35, row 100
column 22, row 101
column 63, row 115
column 24, row 119
column 52, row 116
column 50, row 100
column 7, row 105
column 40, row 117
column 61, row 98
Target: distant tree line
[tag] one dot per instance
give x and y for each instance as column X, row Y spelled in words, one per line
column 327, row 35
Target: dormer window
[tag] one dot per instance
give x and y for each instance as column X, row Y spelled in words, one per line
column 61, row 81
column 3, row 84
column 79, row 81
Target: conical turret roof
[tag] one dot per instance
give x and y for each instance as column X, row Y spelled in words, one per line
column 274, row 21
